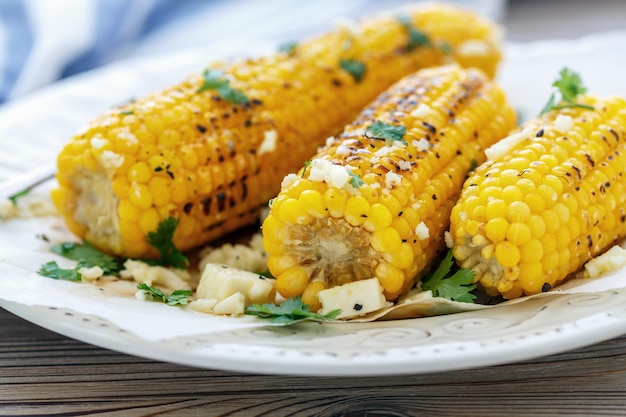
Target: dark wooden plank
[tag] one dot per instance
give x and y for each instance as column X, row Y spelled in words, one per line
column 42, row 373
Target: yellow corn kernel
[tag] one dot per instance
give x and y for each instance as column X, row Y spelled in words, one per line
column 128, row 211
column 357, row 209
column 507, row 253
column 139, row 195
column 292, row 282
column 378, row 217
column 139, row 172
column 293, row 211
column 310, row 294
column 386, row 240
column 313, row 202
column 496, row 229
column 335, row 201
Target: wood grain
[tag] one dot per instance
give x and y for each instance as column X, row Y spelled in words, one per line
column 44, row 374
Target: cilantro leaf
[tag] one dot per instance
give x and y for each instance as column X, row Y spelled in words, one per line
column 289, row 311
column 416, row 37
column 88, row 255
column 215, row 80
column 380, row 130
column 176, row 297
column 162, row 240
column 569, row 86
column 288, row 47
column 455, row 286
column 53, row 270
column 306, row 166
column 17, row 195
column 355, row 68
column 355, row 180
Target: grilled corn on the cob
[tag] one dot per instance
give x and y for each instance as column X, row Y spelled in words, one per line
column 551, row 199
column 371, row 204
column 213, row 149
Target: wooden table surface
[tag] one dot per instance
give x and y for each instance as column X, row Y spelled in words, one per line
column 42, row 373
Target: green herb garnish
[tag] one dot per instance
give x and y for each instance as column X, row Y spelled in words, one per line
column 17, row 195
column 306, row 166
column 53, row 270
column 88, row 255
column 385, row 131
column 355, row 180
column 289, row 311
column 454, row 285
column 127, row 112
column 177, row 297
column 355, row 68
column 215, row 80
column 163, row 241
column 416, row 37
column 288, row 47
column 569, row 86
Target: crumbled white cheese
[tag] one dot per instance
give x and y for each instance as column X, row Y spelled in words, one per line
column 322, row 170
column 390, row 147
column 234, row 305
column 269, row 142
column 250, row 257
column 203, row 305
column 422, row 231
column 611, row 260
column 421, row 145
column 343, row 149
column 447, row 236
column 156, row 275
column 110, row 161
column 473, row 47
column 127, row 135
column 404, row 165
column 354, row 299
column 91, row 274
column 503, row 146
column 288, row 180
column 220, row 282
column 563, row 123
column 392, row 179
column 98, row 142
column 422, row 111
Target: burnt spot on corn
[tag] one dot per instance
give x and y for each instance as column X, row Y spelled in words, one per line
column 221, row 201
column 187, row 208
column 539, row 133
column 206, row 205
column 201, row 128
column 590, row 160
column 546, row 287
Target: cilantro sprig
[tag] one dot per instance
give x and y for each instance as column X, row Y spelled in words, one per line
column 53, row 270
column 163, row 240
column 288, row 312
column 215, row 80
column 385, row 131
column 288, row 47
column 177, row 297
column 355, row 68
column 569, row 86
column 88, row 255
column 445, row 282
column 355, row 179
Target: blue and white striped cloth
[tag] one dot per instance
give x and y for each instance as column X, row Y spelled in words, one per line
column 42, row 41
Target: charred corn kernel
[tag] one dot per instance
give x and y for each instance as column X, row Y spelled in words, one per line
column 390, row 224
column 240, row 151
column 572, row 211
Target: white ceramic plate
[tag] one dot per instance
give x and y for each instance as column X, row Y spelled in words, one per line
column 498, row 335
